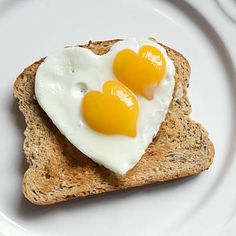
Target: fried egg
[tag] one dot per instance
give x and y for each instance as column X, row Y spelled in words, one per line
column 108, row 106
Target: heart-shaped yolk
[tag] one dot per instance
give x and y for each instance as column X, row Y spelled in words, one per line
column 114, row 111
column 140, row 72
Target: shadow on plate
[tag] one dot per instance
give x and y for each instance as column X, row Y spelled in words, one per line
column 6, row 5
column 225, row 11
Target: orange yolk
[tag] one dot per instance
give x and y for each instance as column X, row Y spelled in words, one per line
column 140, row 72
column 114, row 111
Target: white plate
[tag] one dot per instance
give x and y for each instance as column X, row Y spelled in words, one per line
column 200, row 205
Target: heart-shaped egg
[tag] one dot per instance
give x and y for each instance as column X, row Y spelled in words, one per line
column 99, row 108
column 142, row 71
column 115, row 111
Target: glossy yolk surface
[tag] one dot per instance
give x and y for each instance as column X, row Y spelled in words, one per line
column 115, row 111
column 140, row 72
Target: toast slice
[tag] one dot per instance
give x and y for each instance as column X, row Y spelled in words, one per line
column 59, row 172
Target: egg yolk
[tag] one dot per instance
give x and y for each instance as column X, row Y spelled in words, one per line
column 114, row 111
column 140, row 72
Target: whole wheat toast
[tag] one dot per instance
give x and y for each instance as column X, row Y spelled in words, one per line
column 59, row 172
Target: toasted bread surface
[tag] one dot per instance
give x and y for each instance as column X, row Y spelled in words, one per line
column 58, row 171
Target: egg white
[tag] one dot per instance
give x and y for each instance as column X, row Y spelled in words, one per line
column 60, row 84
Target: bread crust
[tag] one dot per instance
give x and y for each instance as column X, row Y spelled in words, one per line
column 59, row 172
